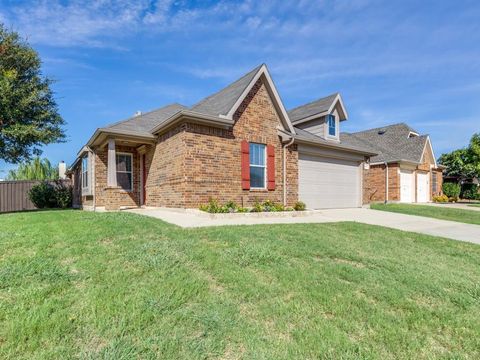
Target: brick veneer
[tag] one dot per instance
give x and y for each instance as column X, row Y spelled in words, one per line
column 374, row 180
column 114, row 198
column 193, row 162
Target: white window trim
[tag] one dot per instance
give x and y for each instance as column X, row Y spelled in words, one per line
column 126, row 172
column 327, row 127
column 260, row 166
column 86, row 190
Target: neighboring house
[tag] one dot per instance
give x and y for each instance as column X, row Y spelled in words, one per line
column 238, row 144
column 403, row 157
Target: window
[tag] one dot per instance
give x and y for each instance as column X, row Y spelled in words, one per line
column 124, row 171
column 85, row 172
column 434, row 182
column 257, row 166
column 332, row 130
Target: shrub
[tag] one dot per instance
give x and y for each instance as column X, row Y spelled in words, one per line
column 47, row 195
column 214, row 207
column 440, row 198
column 300, row 206
column 452, row 190
column 43, row 195
column 257, row 207
column 469, row 191
column 63, row 195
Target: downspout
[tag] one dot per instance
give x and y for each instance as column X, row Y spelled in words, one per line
column 386, row 182
column 290, row 142
column 94, row 180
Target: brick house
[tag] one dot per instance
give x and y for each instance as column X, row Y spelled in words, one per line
column 405, row 158
column 238, row 144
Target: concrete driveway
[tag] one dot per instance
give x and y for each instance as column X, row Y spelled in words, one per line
column 419, row 224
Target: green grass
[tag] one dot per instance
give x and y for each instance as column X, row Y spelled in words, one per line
column 437, row 212
column 474, row 205
column 120, row 286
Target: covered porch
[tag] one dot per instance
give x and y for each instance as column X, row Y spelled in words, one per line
column 121, row 169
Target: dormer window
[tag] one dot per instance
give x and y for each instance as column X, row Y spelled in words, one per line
column 332, row 127
column 412, row 134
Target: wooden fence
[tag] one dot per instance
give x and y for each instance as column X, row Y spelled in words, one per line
column 14, row 195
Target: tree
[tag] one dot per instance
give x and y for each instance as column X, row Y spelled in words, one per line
column 36, row 169
column 463, row 163
column 29, row 115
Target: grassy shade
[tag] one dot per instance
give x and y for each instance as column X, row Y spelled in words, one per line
column 122, row 286
column 437, row 212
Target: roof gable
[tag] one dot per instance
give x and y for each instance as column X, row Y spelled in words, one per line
column 222, row 101
column 226, row 102
column 318, row 108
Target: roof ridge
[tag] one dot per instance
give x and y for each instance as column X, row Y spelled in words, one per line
column 314, row 101
column 383, row 127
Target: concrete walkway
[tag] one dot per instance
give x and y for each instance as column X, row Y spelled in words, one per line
column 419, row 224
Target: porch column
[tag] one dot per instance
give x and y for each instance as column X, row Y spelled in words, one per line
column 111, row 164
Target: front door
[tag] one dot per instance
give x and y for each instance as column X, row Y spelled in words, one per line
column 422, row 187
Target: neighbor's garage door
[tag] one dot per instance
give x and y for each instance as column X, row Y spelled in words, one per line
column 327, row 182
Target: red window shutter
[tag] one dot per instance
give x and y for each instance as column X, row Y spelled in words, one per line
column 245, row 165
column 271, row 167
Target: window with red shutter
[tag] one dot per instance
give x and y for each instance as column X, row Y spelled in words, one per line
column 271, row 167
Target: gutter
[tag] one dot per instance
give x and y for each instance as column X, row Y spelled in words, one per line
column 386, row 182
column 188, row 114
column 284, row 147
column 336, row 147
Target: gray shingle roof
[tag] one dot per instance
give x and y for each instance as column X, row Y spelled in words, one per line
column 391, row 143
column 222, row 101
column 346, row 143
column 312, row 108
column 146, row 122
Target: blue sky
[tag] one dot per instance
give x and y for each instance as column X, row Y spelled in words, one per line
column 393, row 61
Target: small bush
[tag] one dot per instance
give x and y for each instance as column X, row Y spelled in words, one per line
column 43, row 195
column 300, row 206
column 214, row 207
column 63, row 195
column 469, row 192
column 452, row 190
column 440, row 198
column 257, row 207
column 47, row 195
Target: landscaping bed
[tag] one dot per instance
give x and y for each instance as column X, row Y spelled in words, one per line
column 214, row 207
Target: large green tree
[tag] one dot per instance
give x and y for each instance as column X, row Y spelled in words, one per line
column 29, row 115
column 463, row 163
column 36, row 169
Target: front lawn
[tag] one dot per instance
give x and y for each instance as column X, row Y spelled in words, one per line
column 474, row 205
column 120, row 286
column 437, row 212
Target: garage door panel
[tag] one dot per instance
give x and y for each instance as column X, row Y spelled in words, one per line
column 328, row 183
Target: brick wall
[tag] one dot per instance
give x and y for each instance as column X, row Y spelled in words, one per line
column 165, row 185
column 374, row 183
column 374, row 180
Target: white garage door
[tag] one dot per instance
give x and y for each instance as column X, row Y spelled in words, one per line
column 328, row 183
column 407, row 186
